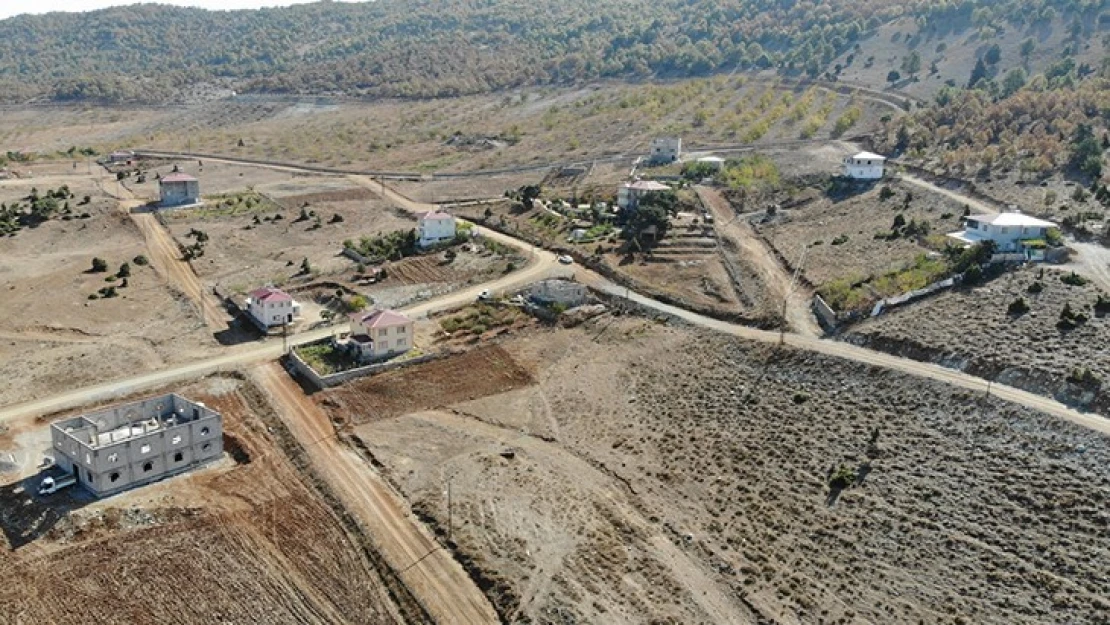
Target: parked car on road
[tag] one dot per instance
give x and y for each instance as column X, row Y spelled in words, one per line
column 566, row 260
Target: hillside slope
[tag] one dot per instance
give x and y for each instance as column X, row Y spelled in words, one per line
column 152, row 53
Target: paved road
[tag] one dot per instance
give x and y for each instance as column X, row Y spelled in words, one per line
column 429, row 571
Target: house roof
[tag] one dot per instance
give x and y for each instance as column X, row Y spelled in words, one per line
column 648, row 185
column 1012, row 218
column 380, row 319
column 869, row 156
column 270, row 294
column 436, row 215
column 178, row 177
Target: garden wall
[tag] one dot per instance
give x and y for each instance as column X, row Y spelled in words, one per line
column 299, row 366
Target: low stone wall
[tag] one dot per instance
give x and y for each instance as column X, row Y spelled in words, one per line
column 302, row 368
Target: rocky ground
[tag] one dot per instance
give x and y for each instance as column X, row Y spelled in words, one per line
column 665, row 474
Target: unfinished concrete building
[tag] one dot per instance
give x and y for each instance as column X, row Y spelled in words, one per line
column 137, row 443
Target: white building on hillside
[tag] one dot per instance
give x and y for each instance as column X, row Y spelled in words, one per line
column 864, row 166
column 435, row 227
column 1012, row 232
column 629, row 194
column 271, row 307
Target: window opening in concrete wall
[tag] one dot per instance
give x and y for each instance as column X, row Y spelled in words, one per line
column 176, row 440
column 90, row 476
column 114, row 476
column 113, row 457
column 148, row 467
column 206, row 446
column 204, row 431
column 145, row 449
column 178, row 457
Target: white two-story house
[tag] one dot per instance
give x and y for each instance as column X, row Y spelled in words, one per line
column 271, row 307
column 380, row 334
column 864, row 166
column 1012, row 232
column 435, row 227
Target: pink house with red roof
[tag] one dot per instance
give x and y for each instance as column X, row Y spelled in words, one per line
column 179, row 189
column 380, row 334
column 271, row 307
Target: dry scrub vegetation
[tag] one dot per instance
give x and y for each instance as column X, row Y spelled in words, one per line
column 976, row 330
column 668, row 474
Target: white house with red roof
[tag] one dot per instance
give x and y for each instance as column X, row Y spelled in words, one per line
column 271, row 307
column 379, row 334
column 179, row 189
column 435, row 227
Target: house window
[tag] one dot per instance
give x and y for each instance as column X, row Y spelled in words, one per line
column 206, row 447
column 400, row 342
column 114, row 476
column 148, row 467
column 178, row 457
column 113, row 457
column 176, row 440
column 1005, row 230
column 204, row 431
column 400, row 329
column 90, row 475
column 145, row 449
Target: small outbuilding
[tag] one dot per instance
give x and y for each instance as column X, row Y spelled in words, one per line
column 665, row 150
column 864, row 166
column 179, row 189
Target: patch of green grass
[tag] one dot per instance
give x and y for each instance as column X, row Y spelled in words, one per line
column 325, row 359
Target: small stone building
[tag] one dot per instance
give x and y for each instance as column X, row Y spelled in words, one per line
column 665, row 150
column 864, row 166
column 178, row 189
column 132, row 444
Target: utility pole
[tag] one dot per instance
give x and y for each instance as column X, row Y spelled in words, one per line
column 450, row 524
column 786, row 297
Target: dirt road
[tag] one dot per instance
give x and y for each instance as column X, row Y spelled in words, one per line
column 879, row 359
column 775, row 277
column 435, row 578
column 975, row 205
column 1093, row 261
column 166, row 260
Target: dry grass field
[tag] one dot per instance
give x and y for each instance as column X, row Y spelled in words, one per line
column 52, row 335
column 534, row 125
column 253, row 538
column 971, row 329
column 660, row 473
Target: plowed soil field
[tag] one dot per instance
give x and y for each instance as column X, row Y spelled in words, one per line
column 252, row 539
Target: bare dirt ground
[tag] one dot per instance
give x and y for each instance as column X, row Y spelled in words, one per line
column 768, row 283
column 436, row 578
column 51, row 334
column 253, row 538
column 970, row 329
column 860, row 218
column 649, row 480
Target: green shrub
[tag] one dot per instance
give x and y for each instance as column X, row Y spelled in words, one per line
column 1074, row 279
column 842, row 478
column 1017, row 307
column 1036, row 287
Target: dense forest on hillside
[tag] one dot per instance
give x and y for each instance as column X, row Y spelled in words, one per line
column 152, row 53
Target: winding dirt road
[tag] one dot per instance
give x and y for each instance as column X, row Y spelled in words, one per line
column 776, row 279
column 433, row 575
